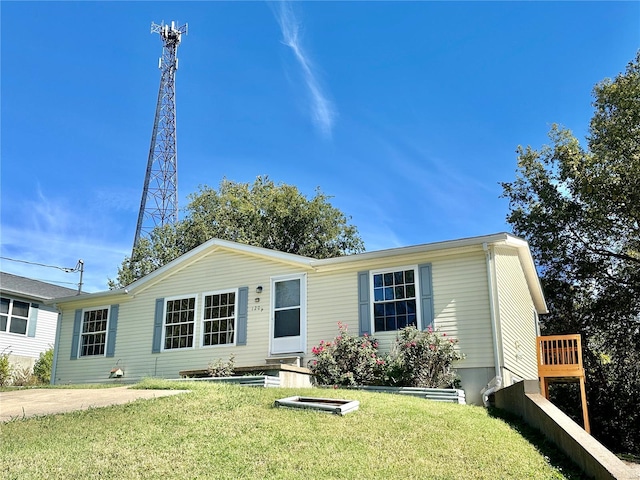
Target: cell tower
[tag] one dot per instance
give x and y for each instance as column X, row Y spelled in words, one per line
column 159, row 204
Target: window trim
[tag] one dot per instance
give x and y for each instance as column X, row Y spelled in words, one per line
column 196, row 298
column 106, row 331
column 417, row 297
column 10, row 315
column 235, row 318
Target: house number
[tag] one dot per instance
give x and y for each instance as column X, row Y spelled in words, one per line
column 257, row 308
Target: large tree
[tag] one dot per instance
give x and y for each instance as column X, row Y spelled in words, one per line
column 579, row 208
column 263, row 214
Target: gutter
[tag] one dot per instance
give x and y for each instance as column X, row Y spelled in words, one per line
column 496, row 382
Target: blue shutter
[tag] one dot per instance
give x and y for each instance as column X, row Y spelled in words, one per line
column 364, row 309
column 33, row 319
column 241, row 321
column 113, row 327
column 77, row 324
column 157, row 325
column 426, row 295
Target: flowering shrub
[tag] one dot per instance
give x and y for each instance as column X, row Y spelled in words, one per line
column 422, row 359
column 347, row 361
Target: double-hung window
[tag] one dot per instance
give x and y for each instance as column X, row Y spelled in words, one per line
column 395, row 303
column 179, row 322
column 14, row 316
column 219, row 318
column 93, row 336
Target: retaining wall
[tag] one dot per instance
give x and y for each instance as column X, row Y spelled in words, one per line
column 524, row 399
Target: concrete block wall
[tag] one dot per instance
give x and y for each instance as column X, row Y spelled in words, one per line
column 524, row 400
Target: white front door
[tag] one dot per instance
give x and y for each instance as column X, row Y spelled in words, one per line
column 288, row 314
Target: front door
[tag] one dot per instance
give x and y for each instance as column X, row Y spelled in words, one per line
column 288, row 314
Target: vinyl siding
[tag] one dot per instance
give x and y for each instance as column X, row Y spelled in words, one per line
column 461, row 309
column 220, row 270
column 461, row 306
column 516, row 316
column 25, row 346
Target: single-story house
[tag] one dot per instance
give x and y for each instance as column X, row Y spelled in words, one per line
column 225, row 298
column 27, row 326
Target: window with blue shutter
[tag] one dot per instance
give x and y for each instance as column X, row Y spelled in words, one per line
column 243, row 308
column 426, row 295
column 33, row 319
column 364, row 316
column 395, row 297
column 75, row 340
column 113, row 327
column 157, row 326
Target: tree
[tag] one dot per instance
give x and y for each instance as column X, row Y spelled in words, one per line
column 579, row 208
column 264, row 214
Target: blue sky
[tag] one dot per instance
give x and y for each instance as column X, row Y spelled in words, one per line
column 407, row 113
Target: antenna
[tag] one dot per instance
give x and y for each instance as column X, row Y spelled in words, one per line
column 159, row 203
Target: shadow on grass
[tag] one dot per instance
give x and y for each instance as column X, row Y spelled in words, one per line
column 552, row 454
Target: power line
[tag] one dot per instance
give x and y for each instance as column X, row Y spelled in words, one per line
column 78, row 268
column 64, row 269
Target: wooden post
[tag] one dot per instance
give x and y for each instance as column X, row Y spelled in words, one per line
column 560, row 359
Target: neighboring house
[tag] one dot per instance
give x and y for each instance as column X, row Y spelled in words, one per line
column 27, row 326
column 227, row 298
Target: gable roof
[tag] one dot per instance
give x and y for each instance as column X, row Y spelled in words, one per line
column 522, row 247
column 30, row 288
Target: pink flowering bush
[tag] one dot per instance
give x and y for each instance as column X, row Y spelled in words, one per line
column 422, row 359
column 347, row 360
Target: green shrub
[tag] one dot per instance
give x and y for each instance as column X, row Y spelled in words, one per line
column 417, row 359
column 422, row 359
column 347, row 361
column 42, row 367
column 5, row 368
column 220, row 368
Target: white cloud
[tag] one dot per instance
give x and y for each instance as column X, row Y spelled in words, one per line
column 51, row 231
column 322, row 109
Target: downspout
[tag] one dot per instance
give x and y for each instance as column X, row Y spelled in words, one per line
column 56, row 346
column 496, row 382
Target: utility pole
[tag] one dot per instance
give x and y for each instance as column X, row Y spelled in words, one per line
column 159, row 203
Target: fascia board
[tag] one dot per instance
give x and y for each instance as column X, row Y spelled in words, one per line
column 436, row 247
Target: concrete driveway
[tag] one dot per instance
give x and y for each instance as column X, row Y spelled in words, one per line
column 46, row 401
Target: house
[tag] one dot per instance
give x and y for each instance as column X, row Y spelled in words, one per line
column 27, row 325
column 225, row 298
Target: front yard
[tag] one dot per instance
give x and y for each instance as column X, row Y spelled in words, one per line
column 224, row 431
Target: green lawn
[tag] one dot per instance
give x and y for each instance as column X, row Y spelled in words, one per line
column 223, row 431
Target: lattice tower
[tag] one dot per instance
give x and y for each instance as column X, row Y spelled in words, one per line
column 159, row 204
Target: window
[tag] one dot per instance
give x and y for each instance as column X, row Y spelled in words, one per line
column 14, row 316
column 218, row 324
column 394, row 299
column 93, row 337
column 179, row 322
column 287, row 308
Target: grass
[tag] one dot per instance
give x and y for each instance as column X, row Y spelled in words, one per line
column 226, row 431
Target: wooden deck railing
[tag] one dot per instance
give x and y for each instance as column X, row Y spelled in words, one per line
column 560, row 360
column 560, row 356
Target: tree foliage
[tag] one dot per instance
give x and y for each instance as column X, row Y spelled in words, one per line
column 263, row 214
column 579, row 208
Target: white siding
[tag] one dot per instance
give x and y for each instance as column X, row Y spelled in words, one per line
column 31, row 347
column 516, row 316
